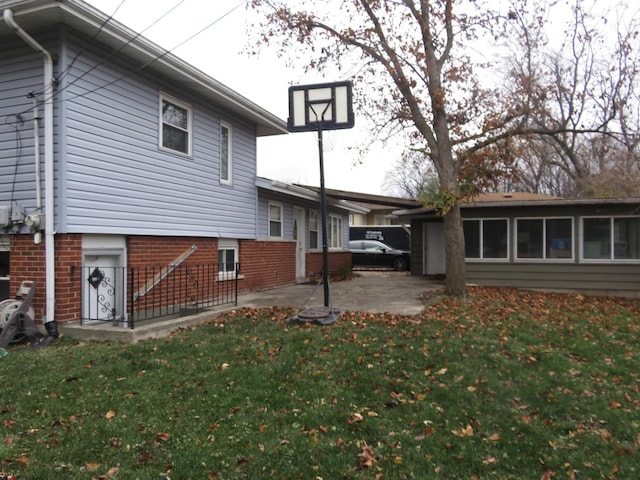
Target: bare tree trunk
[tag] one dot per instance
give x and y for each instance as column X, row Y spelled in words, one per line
column 455, row 281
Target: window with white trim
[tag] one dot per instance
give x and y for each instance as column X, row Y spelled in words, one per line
column 226, row 164
column 275, row 220
column 227, row 258
column 335, row 231
column 611, row 238
column 544, row 238
column 175, row 125
column 314, row 230
column 486, row 239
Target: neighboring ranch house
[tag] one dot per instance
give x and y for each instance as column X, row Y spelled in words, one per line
column 379, row 208
column 533, row 241
column 143, row 161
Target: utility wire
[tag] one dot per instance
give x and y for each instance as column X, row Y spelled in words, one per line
column 143, row 66
column 165, row 53
column 93, row 37
column 16, row 125
column 107, row 57
column 128, row 42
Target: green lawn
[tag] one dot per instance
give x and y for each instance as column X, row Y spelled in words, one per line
column 503, row 384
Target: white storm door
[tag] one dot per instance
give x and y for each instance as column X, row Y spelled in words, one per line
column 433, row 244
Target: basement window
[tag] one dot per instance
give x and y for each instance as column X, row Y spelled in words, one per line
column 227, row 258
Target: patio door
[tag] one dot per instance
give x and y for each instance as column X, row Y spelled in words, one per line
column 299, row 228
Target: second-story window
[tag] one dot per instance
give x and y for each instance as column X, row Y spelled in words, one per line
column 226, row 164
column 176, row 128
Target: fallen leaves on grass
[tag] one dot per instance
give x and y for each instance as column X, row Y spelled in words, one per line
column 463, row 432
column 366, row 456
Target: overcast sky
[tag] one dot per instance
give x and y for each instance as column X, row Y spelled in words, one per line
column 219, row 52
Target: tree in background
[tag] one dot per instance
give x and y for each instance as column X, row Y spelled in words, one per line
column 585, row 88
column 431, row 71
column 412, row 176
column 587, row 117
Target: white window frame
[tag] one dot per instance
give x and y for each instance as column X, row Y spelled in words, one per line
column 189, row 131
column 224, row 245
column 334, row 239
column 229, row 157
column 482, row 258
column 611, row 258
column 544, row 257
column 281, row 219
column 315, row 214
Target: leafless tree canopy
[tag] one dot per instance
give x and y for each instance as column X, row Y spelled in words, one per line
column 474, row 86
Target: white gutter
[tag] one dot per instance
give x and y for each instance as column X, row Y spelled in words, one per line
column 48, row 164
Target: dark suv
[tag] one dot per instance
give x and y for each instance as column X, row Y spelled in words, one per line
column 371, row 253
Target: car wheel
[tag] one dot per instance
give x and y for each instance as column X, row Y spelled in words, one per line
column 400, row 264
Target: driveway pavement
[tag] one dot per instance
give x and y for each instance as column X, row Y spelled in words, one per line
column 376, row 292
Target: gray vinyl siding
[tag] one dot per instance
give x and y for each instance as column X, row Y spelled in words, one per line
column 21, row 72
column 116, row 178
column 417, row 247
column 288, row 203
column 605, row 278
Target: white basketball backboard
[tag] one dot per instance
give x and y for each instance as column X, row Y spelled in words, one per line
column 327, row 106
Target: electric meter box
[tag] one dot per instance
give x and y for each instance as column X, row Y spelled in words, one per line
column 4, row 216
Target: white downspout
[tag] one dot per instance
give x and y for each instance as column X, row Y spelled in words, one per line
column 50, row 275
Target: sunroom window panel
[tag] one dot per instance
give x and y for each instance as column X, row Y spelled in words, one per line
column 597, row 238
column 558, row 238
column 495, row 243
column 530, row 238
column 471, row 238
column 626, row 238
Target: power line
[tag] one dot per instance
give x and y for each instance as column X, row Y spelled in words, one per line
column 93, row 37
column 165, row 53
column 128, row 42
column 131, row 40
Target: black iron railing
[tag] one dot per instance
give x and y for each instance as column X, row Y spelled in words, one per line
column 125, row 296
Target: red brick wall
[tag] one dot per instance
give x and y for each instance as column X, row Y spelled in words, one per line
column 147, row 251
column 337, row 261
column 68, row 258
column 28, row 263
column 266, row 264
